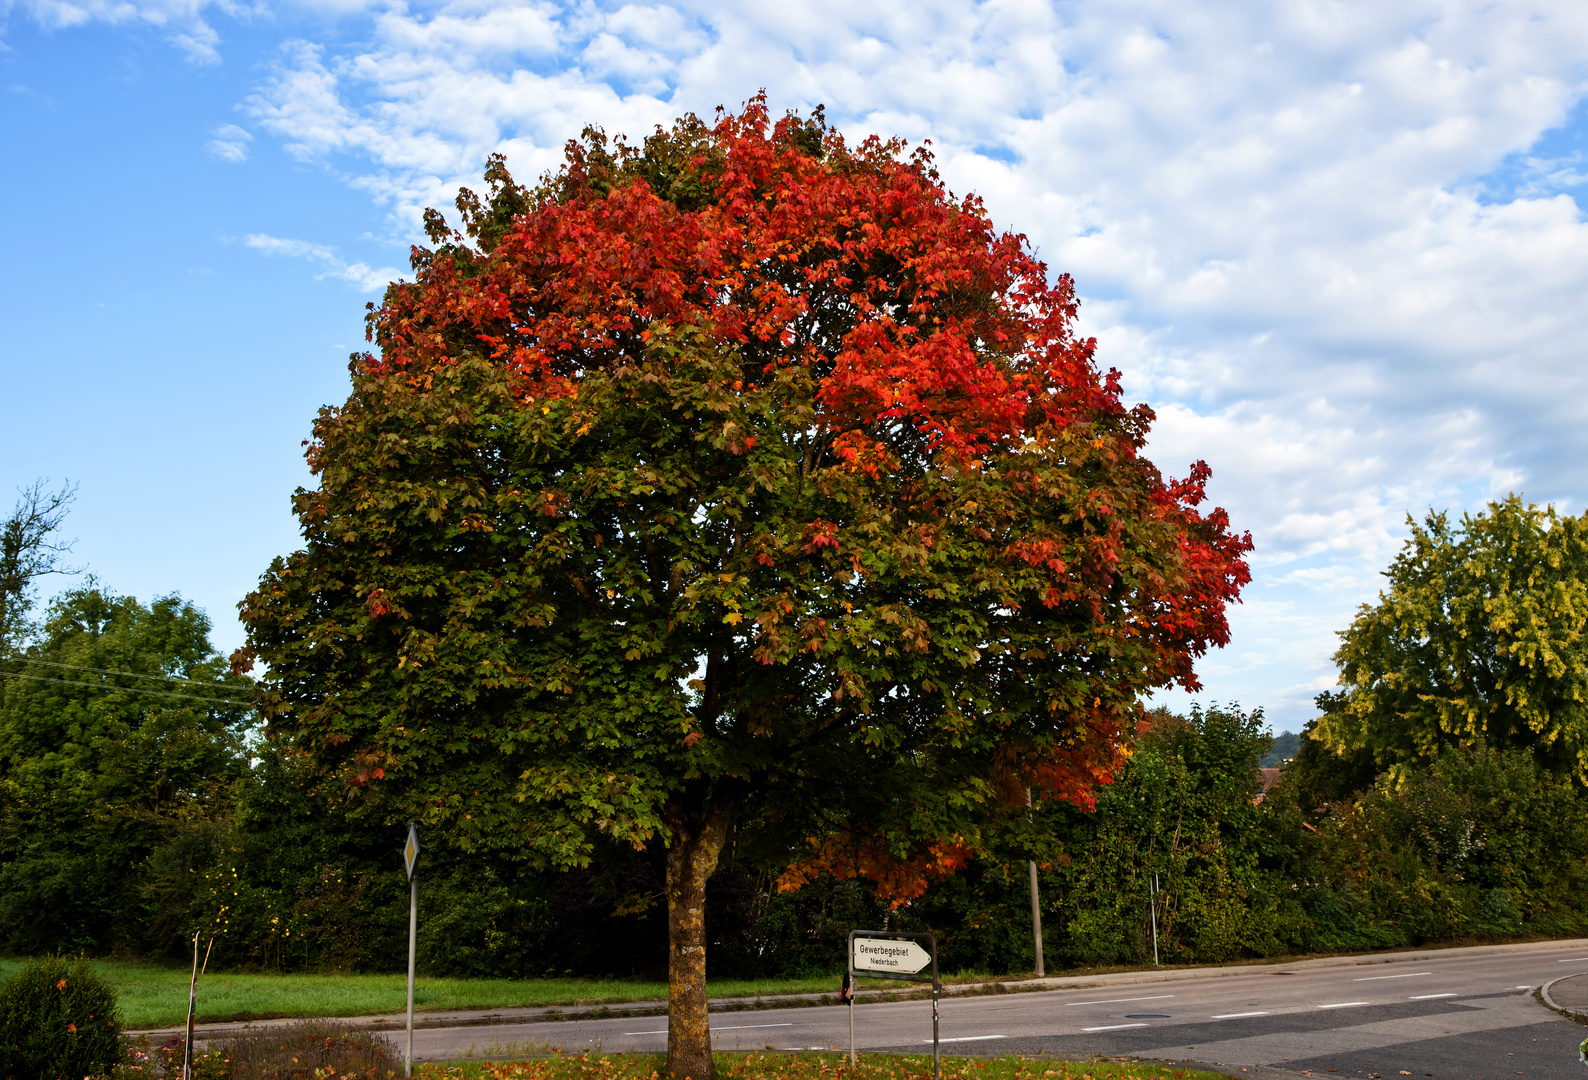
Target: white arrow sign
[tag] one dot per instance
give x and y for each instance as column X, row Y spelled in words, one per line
column 885, row 954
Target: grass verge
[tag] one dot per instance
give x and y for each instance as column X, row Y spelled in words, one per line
column 152, row 997
column 759, row 1066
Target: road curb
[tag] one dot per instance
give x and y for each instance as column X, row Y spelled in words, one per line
column 1543, row 992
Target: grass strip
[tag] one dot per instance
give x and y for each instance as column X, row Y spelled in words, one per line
column 152, row 997
column 763, row 1066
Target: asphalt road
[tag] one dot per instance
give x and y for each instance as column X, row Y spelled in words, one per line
column 1450, row 1017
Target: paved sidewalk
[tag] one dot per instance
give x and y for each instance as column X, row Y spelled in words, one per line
column 482, row 1017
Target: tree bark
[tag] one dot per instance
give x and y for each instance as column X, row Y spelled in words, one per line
column 698, row 838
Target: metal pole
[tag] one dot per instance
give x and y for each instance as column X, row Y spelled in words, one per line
column 851, row 1005
column 1036, row 919
column 937, row 990
column 1036, row 906
column 1152, row 899
column 192, row 1006
column 413, row 928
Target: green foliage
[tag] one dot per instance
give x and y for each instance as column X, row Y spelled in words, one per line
column 122, row 739
column 1482, row 843
column 1480, row 638
column 58, row 1021
column 29, row 550
column 1182, row 809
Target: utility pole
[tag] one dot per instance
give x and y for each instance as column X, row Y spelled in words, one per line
column 1036, row 904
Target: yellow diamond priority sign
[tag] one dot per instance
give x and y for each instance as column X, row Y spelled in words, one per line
column 411, row 850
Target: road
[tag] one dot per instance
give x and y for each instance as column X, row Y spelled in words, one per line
column 1457, row 1016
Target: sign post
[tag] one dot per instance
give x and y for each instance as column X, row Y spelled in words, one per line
column 410, row 861
column 1036, row 902
column 192, row 1008
column 886, row 954
column 1152, row 901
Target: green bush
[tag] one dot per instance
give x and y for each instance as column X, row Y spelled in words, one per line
column 58, row 1021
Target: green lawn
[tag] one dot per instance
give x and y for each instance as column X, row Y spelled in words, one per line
column 813, row 1067
column 157, row 996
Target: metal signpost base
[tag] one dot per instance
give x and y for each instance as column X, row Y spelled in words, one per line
column 880, row 962
column 192, row 1008
column 411, row 863
column 1152, row 900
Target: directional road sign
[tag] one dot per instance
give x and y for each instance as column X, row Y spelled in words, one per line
column 884, row 954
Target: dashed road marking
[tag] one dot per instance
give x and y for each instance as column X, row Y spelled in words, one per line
column 714, row 1027
column 1115, row 1001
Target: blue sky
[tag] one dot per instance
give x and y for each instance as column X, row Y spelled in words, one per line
column 1340, row 247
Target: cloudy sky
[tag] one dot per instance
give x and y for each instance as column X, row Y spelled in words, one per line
column 1340, row 247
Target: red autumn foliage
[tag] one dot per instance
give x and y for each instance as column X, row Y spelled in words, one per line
column 935, row 347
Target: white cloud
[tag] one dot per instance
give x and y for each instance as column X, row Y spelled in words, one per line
column 1320, row 237
column 185, row 22
column 229, row 144
column 360, row 275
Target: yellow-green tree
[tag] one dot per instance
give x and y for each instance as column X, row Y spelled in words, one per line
column 1479, row 639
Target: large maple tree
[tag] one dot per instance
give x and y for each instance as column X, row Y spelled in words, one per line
column 741, row 476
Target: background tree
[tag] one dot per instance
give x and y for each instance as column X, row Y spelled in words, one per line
column 741, row 479
column 1479, row 639
column 1184, row 807
column 121, row 736
column 28, row 551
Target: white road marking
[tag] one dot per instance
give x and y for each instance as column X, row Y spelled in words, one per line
column 1573, row 960
column 734, row 1027
column 1425, row 997
column 1114, row 1027
column 1409, row 975
column 968, row 1038
column 1342, row 1004
column 1113, row 1001
column 1235, row 1016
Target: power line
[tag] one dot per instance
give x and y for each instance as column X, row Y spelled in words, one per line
column 125, row 689
column 110, row 671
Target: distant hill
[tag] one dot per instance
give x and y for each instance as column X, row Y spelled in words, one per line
column 1286, row 743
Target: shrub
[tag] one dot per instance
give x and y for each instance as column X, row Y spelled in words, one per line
column 305, row 1048
column 58, row 1020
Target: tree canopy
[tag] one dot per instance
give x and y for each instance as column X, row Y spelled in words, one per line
column 120, row 727
column 744, row 479
column 29, row 550
column 1479, row 639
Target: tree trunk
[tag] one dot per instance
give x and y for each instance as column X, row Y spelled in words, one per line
column 698, row 838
